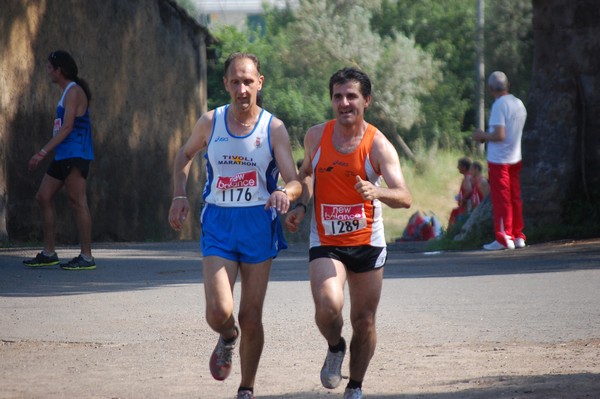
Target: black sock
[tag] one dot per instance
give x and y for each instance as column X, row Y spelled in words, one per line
column 230, row 340
column 353, row 384
column 341, row 346
column 251, row 389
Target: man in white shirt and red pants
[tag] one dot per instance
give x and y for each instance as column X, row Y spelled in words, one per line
column 506, row 122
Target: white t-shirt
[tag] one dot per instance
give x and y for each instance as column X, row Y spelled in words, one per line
column 507, row 111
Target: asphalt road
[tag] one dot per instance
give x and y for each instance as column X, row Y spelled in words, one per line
column 143, row 293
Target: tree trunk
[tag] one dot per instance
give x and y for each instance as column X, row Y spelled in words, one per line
column 561, row 142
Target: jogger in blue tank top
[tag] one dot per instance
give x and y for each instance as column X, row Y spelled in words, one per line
column 72, row 143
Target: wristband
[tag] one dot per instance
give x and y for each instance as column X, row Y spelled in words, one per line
column 43, row 152
column 302, row 205
column 179, row 197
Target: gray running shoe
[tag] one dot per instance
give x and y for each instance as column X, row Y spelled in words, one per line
column 78, row 263
column 331, row 372
column 353, row 393
column 220, row 360
column 245, row 395
column 42, row 260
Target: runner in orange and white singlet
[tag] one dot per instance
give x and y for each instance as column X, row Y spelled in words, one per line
column 344, row 162
column 343, row 217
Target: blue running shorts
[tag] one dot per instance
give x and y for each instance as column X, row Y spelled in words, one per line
column 241, row 234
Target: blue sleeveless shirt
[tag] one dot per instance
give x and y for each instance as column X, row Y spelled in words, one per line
column 78, row 144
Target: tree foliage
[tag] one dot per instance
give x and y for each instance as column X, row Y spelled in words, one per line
column 509, row 42
column 420, row 56
column 320, row 37
column 448, row 30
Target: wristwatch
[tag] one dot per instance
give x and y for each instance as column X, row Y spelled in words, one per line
column 282, row 189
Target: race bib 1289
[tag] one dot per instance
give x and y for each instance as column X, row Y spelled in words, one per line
column 342, row 219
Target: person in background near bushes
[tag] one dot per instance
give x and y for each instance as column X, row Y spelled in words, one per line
column 464, row 194
column 72, row 144
column 344, row 161
column 506, row 122
column 246, row 148
column 481, row 187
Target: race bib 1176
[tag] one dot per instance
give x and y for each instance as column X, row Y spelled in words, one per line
column 241, row 187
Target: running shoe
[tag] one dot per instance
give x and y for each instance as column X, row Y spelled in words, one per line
column 353, row 393
column 42, row 260
column 331, row 373
column 520, row 243
column 496, row 246
column 220, row 360
column 78, row 263
column 245, row 394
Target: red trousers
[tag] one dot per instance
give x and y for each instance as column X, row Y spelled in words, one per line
column 505, row 191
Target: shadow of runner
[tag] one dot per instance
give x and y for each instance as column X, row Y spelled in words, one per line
column 140, row 266
column 571, row 386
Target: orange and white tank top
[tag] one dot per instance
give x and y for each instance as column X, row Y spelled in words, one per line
column 341, row 216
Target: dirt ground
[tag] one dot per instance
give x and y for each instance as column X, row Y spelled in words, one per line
column 152, row 342
column 177, row 368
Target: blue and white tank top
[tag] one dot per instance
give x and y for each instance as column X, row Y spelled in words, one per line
column 78, row 144
column 241, row 170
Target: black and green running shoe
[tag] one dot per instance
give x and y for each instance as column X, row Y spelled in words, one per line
column 78, row 263
column 42, row 260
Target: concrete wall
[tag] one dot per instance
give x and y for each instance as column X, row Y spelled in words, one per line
column 145, row 62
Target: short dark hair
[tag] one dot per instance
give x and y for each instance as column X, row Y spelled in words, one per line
column 477, row 165
column 465, row 162
column 351, row 75
column 237, row 56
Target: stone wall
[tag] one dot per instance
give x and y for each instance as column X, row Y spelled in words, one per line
column 145, row 62
column 561, row 142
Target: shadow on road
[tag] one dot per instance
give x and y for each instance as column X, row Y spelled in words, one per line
column 541, row 258
column 572, row 386
column 140, row 266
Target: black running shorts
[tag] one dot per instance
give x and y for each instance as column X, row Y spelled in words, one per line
column 357, row 259
column 61, row 169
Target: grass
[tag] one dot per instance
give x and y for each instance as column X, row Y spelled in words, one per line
column 433, row 181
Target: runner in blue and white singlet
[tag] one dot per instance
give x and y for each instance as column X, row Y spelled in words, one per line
column 241, row 175
column 246, row 150
column 241, row 170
